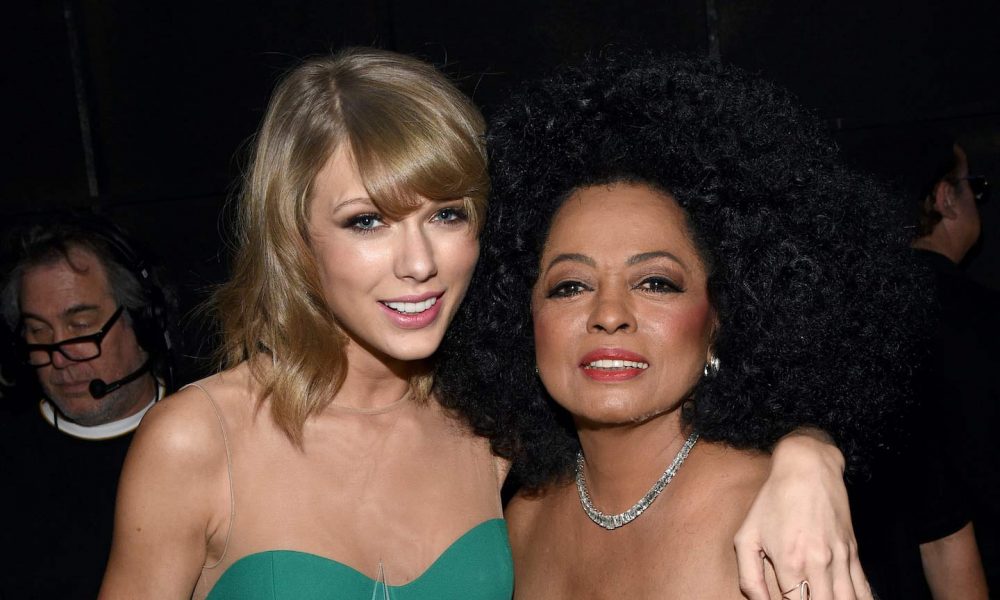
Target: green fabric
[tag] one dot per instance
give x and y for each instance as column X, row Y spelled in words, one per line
column 477, row 566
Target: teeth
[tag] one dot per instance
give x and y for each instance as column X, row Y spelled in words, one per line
column 617, row 364
column 412, row 307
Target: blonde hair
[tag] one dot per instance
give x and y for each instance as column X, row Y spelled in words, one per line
column 411, row 133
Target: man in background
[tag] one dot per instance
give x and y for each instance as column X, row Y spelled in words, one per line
column 90, row 320
column 959, row 389
column 917, row 520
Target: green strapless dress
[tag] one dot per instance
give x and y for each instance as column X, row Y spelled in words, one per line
column 477, row 566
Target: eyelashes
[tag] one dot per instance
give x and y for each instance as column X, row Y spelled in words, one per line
column 567, row 289
column 371, row 222
column 452, row 214
column 657, row 284
column 365, row 223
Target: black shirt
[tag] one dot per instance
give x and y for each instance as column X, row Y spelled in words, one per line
column 962, row 387
column 944, row 470
column 57, row 508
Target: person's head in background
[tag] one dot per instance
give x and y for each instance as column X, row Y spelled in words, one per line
column 89, row 317
column 939, row 191
column 948, row 215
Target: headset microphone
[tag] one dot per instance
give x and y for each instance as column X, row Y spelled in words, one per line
column 99, row 389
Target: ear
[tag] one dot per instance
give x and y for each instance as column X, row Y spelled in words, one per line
column 944, row 199
column 714, row 325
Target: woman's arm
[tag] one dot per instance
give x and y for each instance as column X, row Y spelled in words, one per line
column 164, row 514
column 801, row 522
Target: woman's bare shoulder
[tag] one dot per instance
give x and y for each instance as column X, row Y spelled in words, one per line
column 529, row 509
column 233, row 387
column 185, row 426
column 521, row 508
column 720, row 486
column 732, row 470
column 173, row 496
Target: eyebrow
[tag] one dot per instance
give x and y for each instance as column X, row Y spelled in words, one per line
column 69, row 312
column 350, row 201
column 571, row 257
column 632, row 260
column 638, row 258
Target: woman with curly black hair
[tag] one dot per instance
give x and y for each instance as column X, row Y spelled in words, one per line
column 674, row 256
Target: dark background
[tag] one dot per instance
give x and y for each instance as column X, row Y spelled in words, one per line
column 142, row 110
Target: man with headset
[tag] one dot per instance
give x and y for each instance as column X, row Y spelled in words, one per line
column 91, row 321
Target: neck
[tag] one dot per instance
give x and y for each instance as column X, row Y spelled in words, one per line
column 147, row 389
column 374, row 383
column 143, row 392
column 622, row 462
column 139, row 394
column 940, row 242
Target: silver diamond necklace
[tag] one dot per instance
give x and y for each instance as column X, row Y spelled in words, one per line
column 624, row 518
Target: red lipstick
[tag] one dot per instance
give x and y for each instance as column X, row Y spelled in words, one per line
column 613, row 364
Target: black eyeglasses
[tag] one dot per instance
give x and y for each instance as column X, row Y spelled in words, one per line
column 85, row 347
column 979, row 184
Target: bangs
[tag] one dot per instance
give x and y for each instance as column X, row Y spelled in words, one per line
column 413, row 149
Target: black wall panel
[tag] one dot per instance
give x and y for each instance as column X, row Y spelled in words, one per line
column 877, row 71
column 41, row 157
column 174, row 90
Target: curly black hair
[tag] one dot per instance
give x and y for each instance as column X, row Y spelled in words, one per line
column 809, row 268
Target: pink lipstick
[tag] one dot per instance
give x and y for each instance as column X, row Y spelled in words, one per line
column 413, row 312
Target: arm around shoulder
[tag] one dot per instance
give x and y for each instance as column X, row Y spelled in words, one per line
column 801, row 520
column 168, row 501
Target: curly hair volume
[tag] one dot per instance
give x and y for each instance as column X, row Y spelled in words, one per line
column 809, row 268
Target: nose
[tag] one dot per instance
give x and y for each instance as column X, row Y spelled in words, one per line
column 415, row 255
column 59, row 361
column 612, row 312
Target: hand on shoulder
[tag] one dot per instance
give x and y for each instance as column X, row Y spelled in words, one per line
column 801, row 521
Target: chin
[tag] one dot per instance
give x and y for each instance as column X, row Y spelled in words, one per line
column 414, row 352
column 75, row 405
column 412, row 356
column 608, row 416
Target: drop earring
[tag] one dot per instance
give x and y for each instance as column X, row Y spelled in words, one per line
column 711, row 366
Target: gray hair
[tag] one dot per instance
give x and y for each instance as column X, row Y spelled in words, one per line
column 41, row 245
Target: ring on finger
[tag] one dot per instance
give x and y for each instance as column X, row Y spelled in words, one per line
column 802, row 587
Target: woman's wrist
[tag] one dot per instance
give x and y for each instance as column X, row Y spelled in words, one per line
column 809, row 445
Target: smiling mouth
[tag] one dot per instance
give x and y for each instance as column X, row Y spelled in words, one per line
column 412, row 308
column 614, row 364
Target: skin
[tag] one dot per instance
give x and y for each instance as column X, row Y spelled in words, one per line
column 953, row 568
column 960, row 226
column 826, row 556
column 164, row 537
column 589, row 275
column 65, row 299
column 364, row 261
column 353, row 468
column 620, row 272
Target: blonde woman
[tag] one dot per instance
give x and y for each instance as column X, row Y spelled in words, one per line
column 321, row 463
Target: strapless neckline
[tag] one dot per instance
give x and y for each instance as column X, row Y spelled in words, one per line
column 339, row 569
